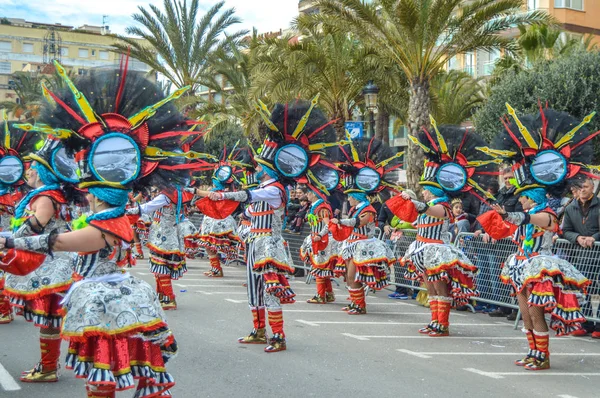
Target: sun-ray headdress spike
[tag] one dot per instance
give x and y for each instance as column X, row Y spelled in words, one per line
column 150, row 111
column 316, row 182
column 388, row 160
column 45, row 129
column 566, row 139
column 522, row 129
column 440, row 137
column 302, row 123
column 80, row 99
column 6, row 129
column 264, row 113
column 46, row 94
column 233, row 149
column 416, row 141
column 353, row 151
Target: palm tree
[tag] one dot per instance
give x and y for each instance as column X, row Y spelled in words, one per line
column 231, row 81
column 27, row 86
column 180, row 40
column 420, row 36
column 329, row 64
column 455, row 96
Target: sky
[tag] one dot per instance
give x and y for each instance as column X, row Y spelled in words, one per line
column 265, row 15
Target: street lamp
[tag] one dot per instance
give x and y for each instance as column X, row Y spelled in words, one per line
column 370, row 92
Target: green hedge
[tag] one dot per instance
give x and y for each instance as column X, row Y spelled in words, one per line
column 570, row 84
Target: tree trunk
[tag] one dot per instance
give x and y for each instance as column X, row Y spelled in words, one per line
column 418, row 117
column 340, row 127
column 382, row 126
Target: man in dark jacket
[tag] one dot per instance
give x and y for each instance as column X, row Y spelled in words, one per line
column 581, row 225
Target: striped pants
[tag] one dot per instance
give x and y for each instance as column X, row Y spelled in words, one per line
column 257, row 297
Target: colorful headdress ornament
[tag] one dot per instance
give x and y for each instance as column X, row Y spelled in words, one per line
column 122, row 127
column 451, row 162
column 546, row 149
column 298, row 137
column 14, row 146
column 229, row 165
column 370, row 167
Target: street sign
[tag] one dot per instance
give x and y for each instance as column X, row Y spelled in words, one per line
column 356, row 129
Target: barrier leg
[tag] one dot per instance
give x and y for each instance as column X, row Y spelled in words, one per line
column 516, row 326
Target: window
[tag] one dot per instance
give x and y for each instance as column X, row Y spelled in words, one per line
column 103, row 54
column 83, row 53
column 574, row 4
column 5, row 46
column 64, row 51
column 93, row 52
column 27, row 47
column 469, row 65
column 81, row 72
column 5, row 67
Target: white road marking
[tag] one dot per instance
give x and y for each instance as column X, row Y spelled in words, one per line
column 487, row 374
column 396, row 323
column 342, row 312
column 361, row 338
column 368, row 337
column 237, row 301
column 6, row 380
column 516, row 354
column 565, row 396
column 502, row 375
column 306, row 322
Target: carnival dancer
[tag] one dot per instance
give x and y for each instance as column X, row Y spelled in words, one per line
column 37, row 295
column 548, row 151
column 319, row 250
column 114, row 322
column 450, row 170
column 297, row 134
column 137, row 225
column 220, row 235
column 14, row 144
column 370, row 168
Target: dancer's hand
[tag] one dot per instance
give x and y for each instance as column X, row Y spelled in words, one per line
column 499, row 209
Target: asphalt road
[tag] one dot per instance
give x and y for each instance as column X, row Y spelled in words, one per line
column 329, row 352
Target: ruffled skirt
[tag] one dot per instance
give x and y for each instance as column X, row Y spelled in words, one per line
column 117, row 333
column 167, row 256
column 268, row 256
column 324, row 261
column 372, row 259
column 551, row 283
column 433, row 262
column 219, row 236
column 39, row 293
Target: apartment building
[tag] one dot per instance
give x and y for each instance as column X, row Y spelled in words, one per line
column 32, row 46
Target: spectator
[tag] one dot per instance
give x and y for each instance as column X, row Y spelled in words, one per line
column 387, row 222
column 462, row 220
column 298, row 221
column 581, row 225
column 293, row 205
column 471, row 204
column 506, row 195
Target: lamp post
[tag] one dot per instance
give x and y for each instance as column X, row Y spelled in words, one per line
column 370, row 92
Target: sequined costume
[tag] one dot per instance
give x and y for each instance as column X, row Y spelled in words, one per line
column 552, row 283
column 321, row 255
column 39, row 293
column 7, row 204
column 453, row 168
column 548, row 151
column 166, row 242
column 114, row 322
column 432, row 257
column 219, row 236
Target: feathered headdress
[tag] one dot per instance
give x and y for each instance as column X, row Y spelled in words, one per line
column 14, row 146
column 298, row 136
column 547, row 149
column 123, row 129
column 452, row 164
column 230, row 165
column 370, row 167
